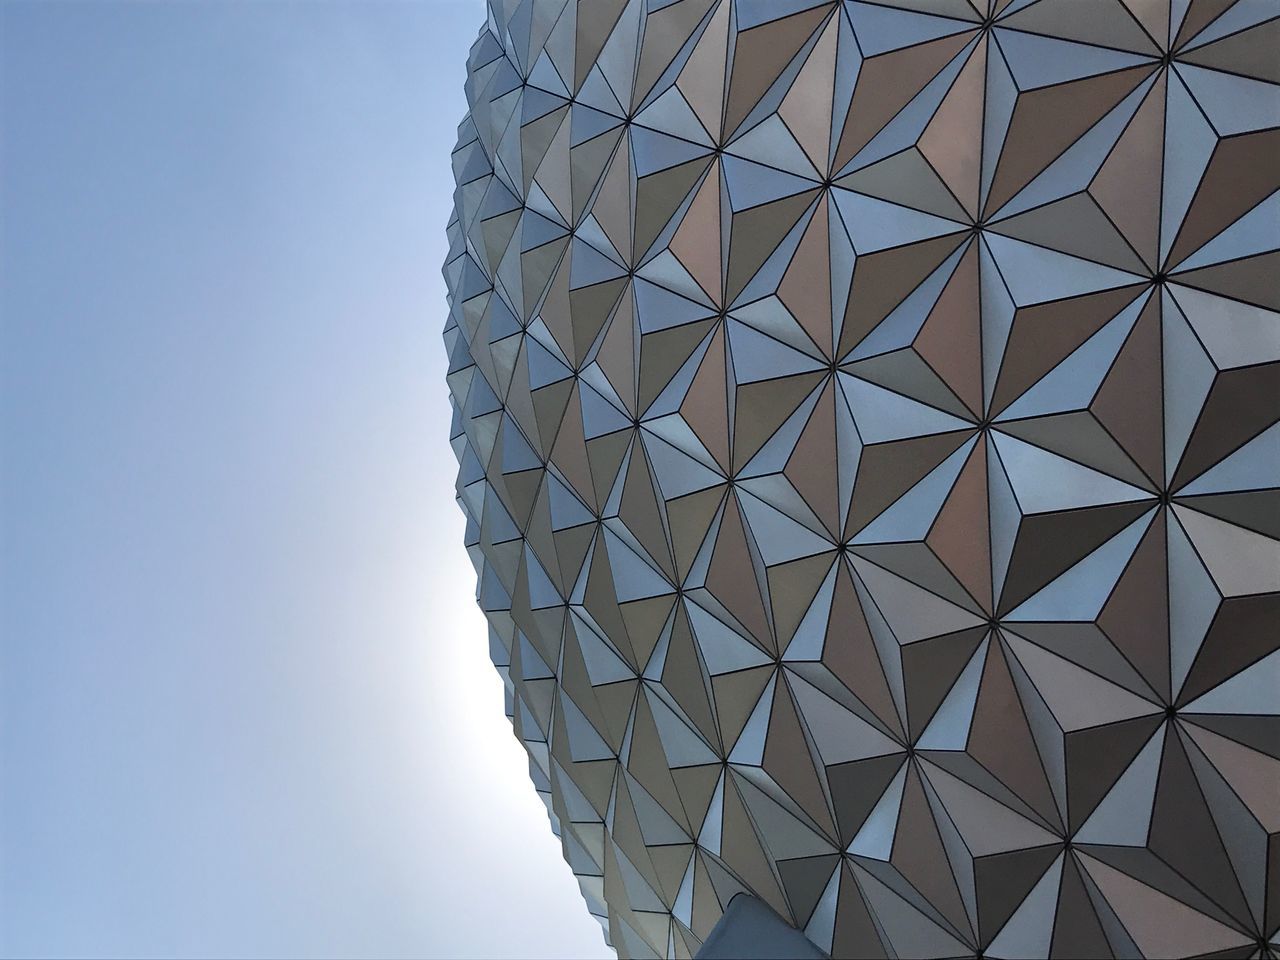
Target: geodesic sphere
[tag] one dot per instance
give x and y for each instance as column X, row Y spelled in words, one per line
column 866, row 416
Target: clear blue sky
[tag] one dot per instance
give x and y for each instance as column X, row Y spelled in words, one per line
column 245, row 703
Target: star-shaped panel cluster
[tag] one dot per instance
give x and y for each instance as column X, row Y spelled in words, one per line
column 867, row 425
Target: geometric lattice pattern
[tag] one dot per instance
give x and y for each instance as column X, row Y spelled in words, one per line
column 867, row 418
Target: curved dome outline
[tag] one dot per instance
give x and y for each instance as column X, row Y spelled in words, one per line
column 867, row 427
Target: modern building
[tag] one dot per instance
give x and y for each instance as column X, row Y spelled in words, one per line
column 867, row 426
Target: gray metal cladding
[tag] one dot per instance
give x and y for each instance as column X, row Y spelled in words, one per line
column 867, row 427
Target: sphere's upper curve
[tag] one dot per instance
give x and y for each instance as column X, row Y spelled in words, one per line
column 866, row 418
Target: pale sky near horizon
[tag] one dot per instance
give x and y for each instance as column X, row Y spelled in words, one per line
column 246, row 708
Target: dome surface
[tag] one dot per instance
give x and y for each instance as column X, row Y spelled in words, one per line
column 867, row 427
